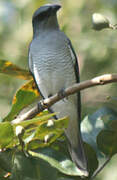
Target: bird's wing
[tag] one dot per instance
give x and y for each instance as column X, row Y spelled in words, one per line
column 30, row 64
column 76, row 69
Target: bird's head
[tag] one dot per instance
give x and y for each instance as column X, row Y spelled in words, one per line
column 46, row 11
column 45, row 15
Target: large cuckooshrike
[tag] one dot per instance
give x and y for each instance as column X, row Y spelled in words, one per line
column 54, row 66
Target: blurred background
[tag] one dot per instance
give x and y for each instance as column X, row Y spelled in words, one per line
column 97, row 50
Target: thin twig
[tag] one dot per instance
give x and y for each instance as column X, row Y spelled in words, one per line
column 101, row 167
column 100, row 80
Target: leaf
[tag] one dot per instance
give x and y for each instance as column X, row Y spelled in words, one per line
column 44, row 170
column 23, row 167
column 57, row 126
column 113, row 125
column 45, row 135
column 92, row 125
column 8, row 68
column 6, row 134
column 37, row 143
column 36, row 121
column 90, row 129
column 6, row 160
column 92, row 159
column 29, row 168
column 42, row 134
column 32, row 138
column 58, row 161
column 26, row 95
column 34, row 144
column 107, row 140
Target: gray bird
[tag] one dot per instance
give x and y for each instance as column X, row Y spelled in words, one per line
column 54, row 66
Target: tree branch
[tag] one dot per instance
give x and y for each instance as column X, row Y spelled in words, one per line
column 46, row 103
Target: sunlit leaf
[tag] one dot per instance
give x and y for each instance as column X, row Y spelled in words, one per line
column 36, row 121
column 26, row 95
column 6, row 134
column 58, row 125
column 35, row 143
column 31, row 126
column 42, row 133
column 58, row 161
column 11, row 69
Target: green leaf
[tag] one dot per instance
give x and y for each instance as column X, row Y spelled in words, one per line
column 113, row 125
column 36, row 121
column 90, row 130
column 45, row 171
column 6, row 160
column 45, row 133
column 92, row 159
column 23, row 167
column 58, row 161
column 93, row 124
column 26, row 95
column 29, row 168
column 34, row 144
column 39, row 132
column 107, row 140
column 57, row 126
column 38, row 143
column 6, row 134
column 8, row 68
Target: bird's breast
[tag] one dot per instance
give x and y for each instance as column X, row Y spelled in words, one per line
column 52, row 62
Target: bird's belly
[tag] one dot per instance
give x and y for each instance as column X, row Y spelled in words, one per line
column 54, row 74
column 51, row 78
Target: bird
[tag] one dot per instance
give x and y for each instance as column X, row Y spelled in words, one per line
column 54, row 66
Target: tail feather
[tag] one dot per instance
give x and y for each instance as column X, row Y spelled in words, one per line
column 78, row 155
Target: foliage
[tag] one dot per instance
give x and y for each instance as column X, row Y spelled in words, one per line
column 36, row 148
column 36, row 138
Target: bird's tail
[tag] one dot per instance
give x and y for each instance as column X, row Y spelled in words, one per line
column 78, row 155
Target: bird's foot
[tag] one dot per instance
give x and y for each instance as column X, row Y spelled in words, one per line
column 41, row 106
column 62, row 93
